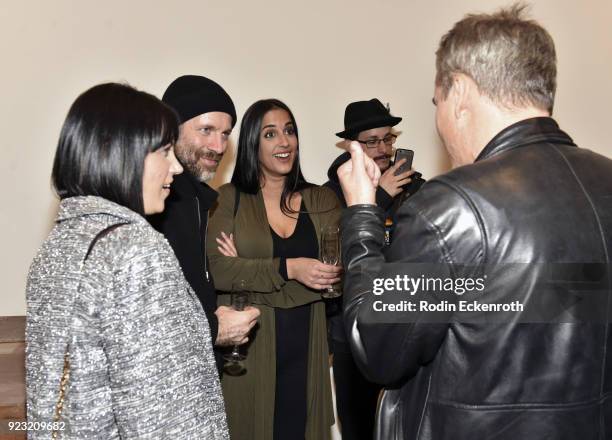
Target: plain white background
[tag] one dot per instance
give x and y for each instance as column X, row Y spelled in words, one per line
column 316, row 56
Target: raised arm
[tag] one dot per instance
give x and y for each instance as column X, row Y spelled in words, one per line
column 390, row 347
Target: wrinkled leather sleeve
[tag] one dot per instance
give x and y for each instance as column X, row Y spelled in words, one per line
column 436, row 226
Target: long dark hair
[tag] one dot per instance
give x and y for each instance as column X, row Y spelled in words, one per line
column 247, row 173
column 105, row 138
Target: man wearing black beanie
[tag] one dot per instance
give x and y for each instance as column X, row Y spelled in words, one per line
column 207, row 115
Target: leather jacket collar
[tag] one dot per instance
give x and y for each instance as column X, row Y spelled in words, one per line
column 526, row 132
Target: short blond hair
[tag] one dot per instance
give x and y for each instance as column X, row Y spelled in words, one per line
column 511, row 59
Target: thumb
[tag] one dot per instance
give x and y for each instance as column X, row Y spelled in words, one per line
column 356, row 155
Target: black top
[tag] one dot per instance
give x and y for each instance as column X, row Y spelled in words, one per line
column 292, row 336
column 184, row 223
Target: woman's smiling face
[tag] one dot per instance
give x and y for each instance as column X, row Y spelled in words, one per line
column 160, row 167
column 278, row 144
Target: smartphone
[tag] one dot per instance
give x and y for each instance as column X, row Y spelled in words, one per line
column 402, row 153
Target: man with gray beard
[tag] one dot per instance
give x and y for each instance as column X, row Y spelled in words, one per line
column 207, row 115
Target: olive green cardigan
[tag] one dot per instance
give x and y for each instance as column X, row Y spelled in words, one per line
column 250, row 398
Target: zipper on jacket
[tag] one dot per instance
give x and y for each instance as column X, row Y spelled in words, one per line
column 203, row 250
column 205, row 237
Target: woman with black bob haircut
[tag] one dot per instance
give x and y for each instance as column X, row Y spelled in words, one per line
column 267, row 225
column 118, row 345
column 101, row 152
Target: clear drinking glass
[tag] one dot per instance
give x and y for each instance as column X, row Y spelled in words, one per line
column 240, row 299
column 330, row 254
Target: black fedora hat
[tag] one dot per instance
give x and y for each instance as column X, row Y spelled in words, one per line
column 364, row 115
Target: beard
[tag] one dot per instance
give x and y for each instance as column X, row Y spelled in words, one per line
column 191, row 157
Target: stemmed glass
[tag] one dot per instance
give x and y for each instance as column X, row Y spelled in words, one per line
column 240, row 299
column 330, row 254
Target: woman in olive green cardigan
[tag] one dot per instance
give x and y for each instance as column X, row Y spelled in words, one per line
column 272, row 195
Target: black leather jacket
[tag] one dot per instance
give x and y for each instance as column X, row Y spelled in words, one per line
column 390, row 205
column 531, row 196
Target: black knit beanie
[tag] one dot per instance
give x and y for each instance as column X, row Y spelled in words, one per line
column 192, row 95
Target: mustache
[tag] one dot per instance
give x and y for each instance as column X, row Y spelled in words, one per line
column 210, row 155
column 382, row 157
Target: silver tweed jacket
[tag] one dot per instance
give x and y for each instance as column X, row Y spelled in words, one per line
column 141, row 358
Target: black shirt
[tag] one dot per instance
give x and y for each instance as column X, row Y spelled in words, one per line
column 292, row 337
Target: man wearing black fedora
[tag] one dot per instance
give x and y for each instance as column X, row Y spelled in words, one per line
column 370, row 123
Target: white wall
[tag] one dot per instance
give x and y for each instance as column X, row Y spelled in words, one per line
column 316, row 56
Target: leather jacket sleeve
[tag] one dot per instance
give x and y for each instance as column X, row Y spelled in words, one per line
column 434, row 222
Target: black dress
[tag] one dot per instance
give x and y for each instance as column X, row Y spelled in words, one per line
column 292, row 337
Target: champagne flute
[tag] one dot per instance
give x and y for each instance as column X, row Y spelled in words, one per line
column 240, row 299
column 330, row 254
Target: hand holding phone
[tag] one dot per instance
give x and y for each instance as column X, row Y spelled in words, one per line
column 402, row 153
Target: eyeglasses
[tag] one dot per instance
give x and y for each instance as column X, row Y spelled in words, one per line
column 388, row 140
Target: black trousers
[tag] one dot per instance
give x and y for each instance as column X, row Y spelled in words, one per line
column 356, row 398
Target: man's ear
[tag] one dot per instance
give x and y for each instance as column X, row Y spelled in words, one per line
column 461, row 94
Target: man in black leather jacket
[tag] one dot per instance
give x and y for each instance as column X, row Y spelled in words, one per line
column 524, row 206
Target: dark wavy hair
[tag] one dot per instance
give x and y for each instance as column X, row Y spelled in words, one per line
column 103, row 143
column 247, row 173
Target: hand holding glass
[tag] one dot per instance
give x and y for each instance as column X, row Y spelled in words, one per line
column 330, row 254
column 240, row 298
